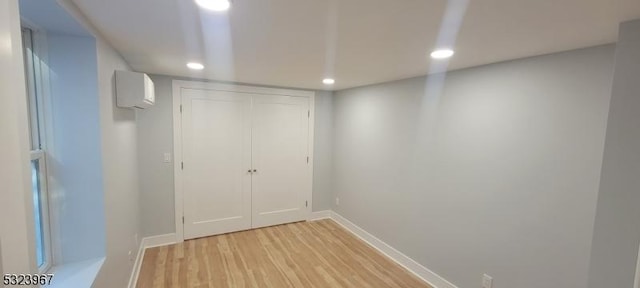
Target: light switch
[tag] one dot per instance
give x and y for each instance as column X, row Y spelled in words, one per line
column 167, row 157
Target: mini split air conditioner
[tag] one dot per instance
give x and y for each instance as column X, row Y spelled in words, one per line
column 134, row 90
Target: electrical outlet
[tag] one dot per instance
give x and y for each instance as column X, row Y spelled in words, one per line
column 337, row 201
column 487, row 281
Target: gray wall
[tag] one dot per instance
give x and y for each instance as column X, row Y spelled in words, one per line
column 495, row 170
column 155, row 137
column 617, row 225
column 120, row 172
column 323, row 154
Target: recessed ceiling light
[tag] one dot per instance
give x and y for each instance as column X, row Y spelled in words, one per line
column 328, row 81
column 442, row 54
column 195, row 66
column 214, row 5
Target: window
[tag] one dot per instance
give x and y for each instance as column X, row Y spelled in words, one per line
column 38, row 153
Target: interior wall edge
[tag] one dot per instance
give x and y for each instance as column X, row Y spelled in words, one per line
column 616, row 233
column 16, row 217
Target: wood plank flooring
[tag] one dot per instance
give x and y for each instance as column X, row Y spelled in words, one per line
column 304, row 254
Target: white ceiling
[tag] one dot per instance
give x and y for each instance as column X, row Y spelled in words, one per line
column 296, row 43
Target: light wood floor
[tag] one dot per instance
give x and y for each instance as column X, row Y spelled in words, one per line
column 304, row 254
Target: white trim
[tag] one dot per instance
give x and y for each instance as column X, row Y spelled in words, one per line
column 133, row 279
column 148, row 242
column 33, row 99
column 319, row 215
column 38, row 91
column 178, row 85
column 311, row 139
column 240, row 88
column 45, row 211
column 177, row 161
column 43, row 91
column 636, row 282
column 414, row 267
column 159, row 240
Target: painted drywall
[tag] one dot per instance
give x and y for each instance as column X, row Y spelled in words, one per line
column 617, row 224
column 493, row 169
column 323, row 146
column 155, row 138
column 16, row 220
column 120, row 165
column 74, row 150
column 119, row 154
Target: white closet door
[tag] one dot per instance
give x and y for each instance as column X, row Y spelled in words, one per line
column 216, row 135
column 279, row 154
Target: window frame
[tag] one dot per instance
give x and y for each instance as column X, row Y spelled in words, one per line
column 44, row 212
column 36, row 83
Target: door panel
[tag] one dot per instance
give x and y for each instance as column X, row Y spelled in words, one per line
column 279, row 154
column 216, row 135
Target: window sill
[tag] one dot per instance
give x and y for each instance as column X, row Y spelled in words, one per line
column 77, row 274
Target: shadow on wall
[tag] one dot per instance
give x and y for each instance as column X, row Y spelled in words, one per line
column 120, row 114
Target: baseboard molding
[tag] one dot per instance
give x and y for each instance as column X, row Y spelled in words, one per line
column 414, row 267
column 133, row 280
column 636, row 282
column 159, row 240
column 148, row 242
column 319, row 215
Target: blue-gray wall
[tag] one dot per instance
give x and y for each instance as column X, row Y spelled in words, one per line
column 323, row 146
column 493, row 169
column 75, row 162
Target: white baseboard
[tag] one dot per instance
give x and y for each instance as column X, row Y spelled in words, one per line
column 414, row 267
column 636, row 283
column 319, row 215
column 133, row 280
column 159, row 240
column 148, row 242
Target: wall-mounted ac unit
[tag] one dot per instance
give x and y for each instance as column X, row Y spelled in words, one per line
column 134, row 89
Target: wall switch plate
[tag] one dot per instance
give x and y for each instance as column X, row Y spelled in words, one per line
column 337, row 201
column 167, row 157
column 487, row 281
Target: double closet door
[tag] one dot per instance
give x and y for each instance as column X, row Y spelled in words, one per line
column 245, row 160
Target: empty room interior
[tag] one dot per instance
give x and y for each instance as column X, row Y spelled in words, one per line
column 320, row 143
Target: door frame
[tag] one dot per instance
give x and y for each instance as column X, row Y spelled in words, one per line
column 636, row 282
column 178, row 86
